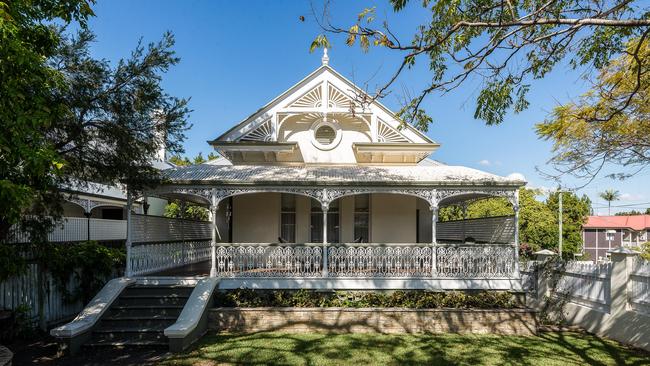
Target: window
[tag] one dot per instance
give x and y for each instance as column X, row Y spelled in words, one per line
column 288, row 218
column 325, row 135
column 361, row 218
column 610, row 235
column 333, row 228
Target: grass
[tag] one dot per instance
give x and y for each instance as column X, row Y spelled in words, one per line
column 552, row 348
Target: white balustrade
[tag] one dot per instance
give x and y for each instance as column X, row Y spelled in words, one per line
column 475, row 261
column 638, row 287
column 379, row 260
column 155, row 257
column 464, row 261
column 72, row 229
column 266, row 260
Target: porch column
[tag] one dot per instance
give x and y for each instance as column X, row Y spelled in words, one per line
column 325, row 271
column 515, row 207
column 434, row 240
column 129, row 232
column 213, row 244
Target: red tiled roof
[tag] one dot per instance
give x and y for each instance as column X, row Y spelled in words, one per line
column 634, row 222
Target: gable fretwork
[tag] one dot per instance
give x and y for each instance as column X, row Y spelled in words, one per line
column 318, row 122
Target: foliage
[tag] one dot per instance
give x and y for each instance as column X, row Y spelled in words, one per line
column 632, row 213
column 609, row 196
column 24, row 325
column 364, row 299
column 574, row 214
column 610, row 123
column 185, row 161
column 11, row 262
column 506, row 45
column 69, row 119
column 374, row 348
column 89, row 264
column 193, row 212
column 645, row 250
column 538, row 225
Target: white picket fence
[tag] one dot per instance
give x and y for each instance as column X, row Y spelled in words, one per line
column 638, row 287
column 586, row 284
column 22, row 292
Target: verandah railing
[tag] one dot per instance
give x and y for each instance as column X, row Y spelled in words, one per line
column 471, row 261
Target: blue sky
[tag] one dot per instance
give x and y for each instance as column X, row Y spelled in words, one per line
column 238, row 55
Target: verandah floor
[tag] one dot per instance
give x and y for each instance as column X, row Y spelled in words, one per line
column 199, row 269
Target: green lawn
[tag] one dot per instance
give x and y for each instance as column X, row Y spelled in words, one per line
column 377, row 349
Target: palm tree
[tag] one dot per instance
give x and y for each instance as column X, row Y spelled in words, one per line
column 610, row 195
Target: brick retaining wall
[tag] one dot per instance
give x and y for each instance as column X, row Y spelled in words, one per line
column 380, row 320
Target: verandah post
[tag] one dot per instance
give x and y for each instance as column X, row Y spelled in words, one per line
column 434, row 240
column 325, row 271
column 213, row 244
column 516, row 223
column 129, row 232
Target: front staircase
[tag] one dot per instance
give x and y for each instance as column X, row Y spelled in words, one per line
column 139, row 316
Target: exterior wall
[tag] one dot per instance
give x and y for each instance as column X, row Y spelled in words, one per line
column 392, row 218
column 373, row 320
column 223, row 225
column 72, row 210
column 256, row 218
column 346, row 212
column 298, row 129
column 596, row 244
column 424, row 224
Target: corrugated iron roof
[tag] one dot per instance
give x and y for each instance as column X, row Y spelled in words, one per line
column 245, row 174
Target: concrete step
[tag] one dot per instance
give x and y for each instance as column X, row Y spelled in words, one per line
column 127, row 340
column 148, row 312
column 164, row 290
column 128, row 322
column 173, row 299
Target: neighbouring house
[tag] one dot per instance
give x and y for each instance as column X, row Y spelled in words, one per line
column 311, row 192
column 98, row 211
column 602, row 233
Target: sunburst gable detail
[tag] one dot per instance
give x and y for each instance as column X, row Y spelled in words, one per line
column 262, row 133
column 386, row 133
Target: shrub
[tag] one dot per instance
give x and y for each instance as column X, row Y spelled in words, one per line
column 411, row 299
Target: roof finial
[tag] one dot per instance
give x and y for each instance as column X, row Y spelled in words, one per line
column 325, row 59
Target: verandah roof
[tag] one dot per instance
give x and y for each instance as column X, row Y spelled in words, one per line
column 332, row 175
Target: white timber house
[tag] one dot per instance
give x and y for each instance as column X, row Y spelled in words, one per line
column 310, row 192
column 314, row 192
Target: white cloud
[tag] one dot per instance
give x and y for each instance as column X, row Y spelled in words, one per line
column 631, row 197
column 485, row 162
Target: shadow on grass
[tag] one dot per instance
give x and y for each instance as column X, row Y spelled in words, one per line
column 277, row 348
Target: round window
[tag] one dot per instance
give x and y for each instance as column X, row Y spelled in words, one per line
column 325, row 135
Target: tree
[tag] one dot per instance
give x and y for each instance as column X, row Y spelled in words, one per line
column 609, row 196
column 506, row 44
column 185, row 161
column 607, row 125
column 538, row 226
column 628, row 213
column 574, row 214
column 193, row 212
column 69, row 119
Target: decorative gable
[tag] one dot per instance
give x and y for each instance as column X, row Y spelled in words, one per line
column 317, row 121
column 386, row 133
column 263, row 133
